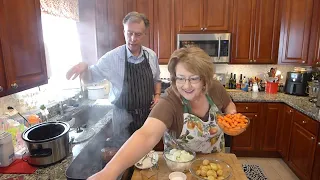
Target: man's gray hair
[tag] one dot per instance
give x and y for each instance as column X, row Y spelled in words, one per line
column 136, row 18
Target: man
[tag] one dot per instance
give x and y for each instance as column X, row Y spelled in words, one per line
column 133, row 71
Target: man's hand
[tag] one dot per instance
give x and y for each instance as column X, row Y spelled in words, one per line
column 155, row 100
column 76, row 70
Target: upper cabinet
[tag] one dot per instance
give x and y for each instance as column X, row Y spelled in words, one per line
column 314, row 47
column 164, row 29
column 3, row 84
column 256, row 30
column 108, row 22
column 22, row 48
column 145, row 7
column 295, row 31
column 203, row 15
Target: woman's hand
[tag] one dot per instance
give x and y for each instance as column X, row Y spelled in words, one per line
column 231, row 108
column 101, row 176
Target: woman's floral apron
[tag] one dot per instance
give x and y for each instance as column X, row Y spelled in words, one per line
column 200, row 136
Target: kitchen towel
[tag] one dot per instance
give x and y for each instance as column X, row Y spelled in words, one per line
column 18, row 167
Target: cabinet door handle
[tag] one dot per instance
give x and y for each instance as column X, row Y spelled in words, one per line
column 254, row 60
column 250, row 60
column 255, row 115
column 312, row 138
column 303, row 62
column 14, row 85
column 205, row 29
column 290, row 111
column 317, row 63
column 1, row 88
column 304, row 122
column 201, row 29
column 247, row 108
column 318, row 143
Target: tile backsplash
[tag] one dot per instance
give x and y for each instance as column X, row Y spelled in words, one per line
column 246, row 70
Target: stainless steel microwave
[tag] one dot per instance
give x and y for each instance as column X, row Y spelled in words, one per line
column 216, row 45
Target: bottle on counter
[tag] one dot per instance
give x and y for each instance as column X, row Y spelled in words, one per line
column 234, row 83
column 240, row 82
column 230, row 82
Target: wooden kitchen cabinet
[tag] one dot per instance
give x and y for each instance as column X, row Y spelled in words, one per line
column 108, row 22
column 203, row 15
column 302, row 149
column 145, row 7
column 285, row 131
column 246, row 140
column 22, row 58
column 164, row 30
column 3, row 84
column 295, row 31
column 255, row 31
column 245, row 143
column 270, row 126
column 314, row 46
column 316, row 164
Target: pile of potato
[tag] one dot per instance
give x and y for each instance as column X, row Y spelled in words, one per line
column 209, row 170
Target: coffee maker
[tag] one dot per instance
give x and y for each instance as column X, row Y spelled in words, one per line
column 297, row 82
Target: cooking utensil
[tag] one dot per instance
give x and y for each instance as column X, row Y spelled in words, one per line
column 48, row 143
column 12, row 109
column 141, row 161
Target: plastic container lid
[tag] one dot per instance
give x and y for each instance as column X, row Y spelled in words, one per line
column 5, row 137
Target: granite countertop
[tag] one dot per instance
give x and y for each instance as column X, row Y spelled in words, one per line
column 57, row 171
column 300, row 103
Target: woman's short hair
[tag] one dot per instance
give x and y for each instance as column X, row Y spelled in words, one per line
column 196, row 61
column 136, row 18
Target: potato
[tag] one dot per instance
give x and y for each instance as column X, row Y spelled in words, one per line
column 204, row 168
column 210, row 170
column 205, row 162
column 214, row 166
column 198, row 172
column 210, row 173
column 203, row 173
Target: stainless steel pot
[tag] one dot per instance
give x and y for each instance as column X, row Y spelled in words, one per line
column 47, row 143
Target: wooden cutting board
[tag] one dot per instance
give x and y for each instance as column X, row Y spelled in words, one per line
column 164, row 171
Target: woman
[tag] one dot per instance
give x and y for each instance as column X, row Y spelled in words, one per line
column 188, row 108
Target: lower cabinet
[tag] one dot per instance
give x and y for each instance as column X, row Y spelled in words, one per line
column 302, row 150
column 261, row 137
column 245, row 142
column 316, row 164
column 285, row 131
column 269, row 127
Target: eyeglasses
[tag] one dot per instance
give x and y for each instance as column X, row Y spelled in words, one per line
column 138, row 35
column 192, row 80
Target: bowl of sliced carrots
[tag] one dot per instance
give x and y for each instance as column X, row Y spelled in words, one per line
column 233, row 124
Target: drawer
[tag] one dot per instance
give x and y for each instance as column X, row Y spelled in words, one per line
column 247, row 107
column 306, row 122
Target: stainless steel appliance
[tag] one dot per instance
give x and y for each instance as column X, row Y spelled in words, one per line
column 216, row 45
column 297, row 82
column 47, row 143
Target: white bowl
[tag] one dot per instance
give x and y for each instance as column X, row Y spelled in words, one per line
column 177, row 176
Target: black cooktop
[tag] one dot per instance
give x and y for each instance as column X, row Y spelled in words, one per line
column 89, row 160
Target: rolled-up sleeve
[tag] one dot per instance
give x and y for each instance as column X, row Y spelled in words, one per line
column 157, row 71
column 101, row 70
